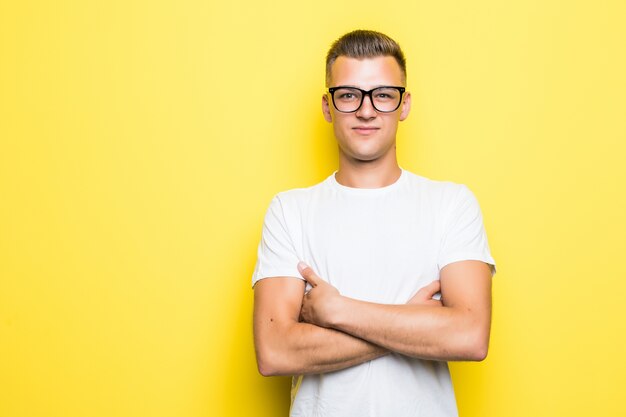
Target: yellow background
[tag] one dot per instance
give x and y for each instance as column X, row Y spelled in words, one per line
column 141, row 143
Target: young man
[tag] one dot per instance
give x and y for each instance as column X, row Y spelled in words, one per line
column 350, row 270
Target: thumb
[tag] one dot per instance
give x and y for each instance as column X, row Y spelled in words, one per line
column 307, row 273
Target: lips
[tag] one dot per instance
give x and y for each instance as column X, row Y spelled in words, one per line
column 365, row 129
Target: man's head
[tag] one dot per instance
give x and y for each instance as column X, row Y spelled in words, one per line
column 366, row 76
column 361, row 44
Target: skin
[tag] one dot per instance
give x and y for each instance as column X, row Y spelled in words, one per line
column 322, row 331
column 366, row 139
column 287, row 346
column 458, row 329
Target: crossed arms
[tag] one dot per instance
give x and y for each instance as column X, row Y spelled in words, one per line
column 322, row 331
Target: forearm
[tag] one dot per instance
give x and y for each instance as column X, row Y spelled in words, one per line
column 455, row 329
column 301, row 348
column 422, row 331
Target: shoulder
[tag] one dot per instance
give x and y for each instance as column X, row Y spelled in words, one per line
column 298, row 196
column 444, row 192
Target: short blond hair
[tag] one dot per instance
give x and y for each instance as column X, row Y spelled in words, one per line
column 364, row 44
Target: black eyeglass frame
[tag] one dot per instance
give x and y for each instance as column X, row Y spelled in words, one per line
column 364, row 93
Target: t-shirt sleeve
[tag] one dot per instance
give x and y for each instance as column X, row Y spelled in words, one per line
column 276, row 254
column 464, row 234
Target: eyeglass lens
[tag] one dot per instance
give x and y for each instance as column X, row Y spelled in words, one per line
column 384, row 99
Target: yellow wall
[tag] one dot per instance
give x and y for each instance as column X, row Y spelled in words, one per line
column 141, row 143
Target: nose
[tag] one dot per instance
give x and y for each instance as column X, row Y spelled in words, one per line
column 367, row 110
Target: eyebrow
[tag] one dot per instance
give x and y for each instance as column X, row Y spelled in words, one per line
column 355, row 86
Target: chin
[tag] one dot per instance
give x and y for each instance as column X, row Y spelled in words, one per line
column 364, row 157
column 364, row 152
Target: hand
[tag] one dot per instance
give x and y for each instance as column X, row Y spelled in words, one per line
column 425, row 295
column 321, row 301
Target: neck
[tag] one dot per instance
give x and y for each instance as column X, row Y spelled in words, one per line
column 368, row 174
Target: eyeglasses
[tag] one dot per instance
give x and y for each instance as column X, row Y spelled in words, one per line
column 349, row 99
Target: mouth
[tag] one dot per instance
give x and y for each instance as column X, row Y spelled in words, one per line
column 365, row 130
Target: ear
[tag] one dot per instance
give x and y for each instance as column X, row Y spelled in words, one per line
column 326, row 109
column 406, row 106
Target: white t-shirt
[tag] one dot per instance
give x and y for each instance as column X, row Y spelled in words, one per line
column 379, row 245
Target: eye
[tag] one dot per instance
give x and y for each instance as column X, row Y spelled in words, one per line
column 347, row 95
column 386, row 94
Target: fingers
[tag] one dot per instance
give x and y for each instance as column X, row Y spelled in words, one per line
column 432, row 288
column 433, row 302
column 425, row 294
column 308, row 274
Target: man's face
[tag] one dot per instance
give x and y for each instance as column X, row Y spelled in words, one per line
column 366, row 134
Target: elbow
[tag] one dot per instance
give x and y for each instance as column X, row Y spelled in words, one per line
column 267, row 363
column 264, row 365
column 265, row 369
column 268, row 369
column 477, row 347
column 471, row 344
column 478, row 353
column 274, row 356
